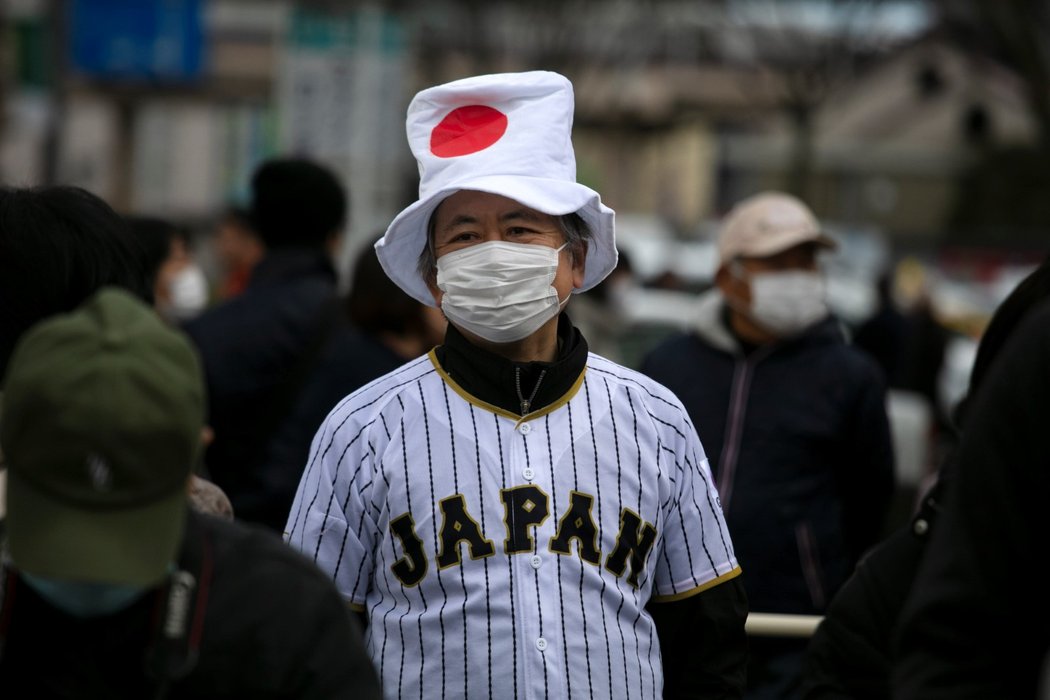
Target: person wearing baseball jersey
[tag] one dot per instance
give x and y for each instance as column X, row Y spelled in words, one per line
column 512, row 515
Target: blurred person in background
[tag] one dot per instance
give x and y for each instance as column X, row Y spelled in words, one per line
column 113, row 587
column 927, row 342
column 850, row 655
column 58, row 245
column 793, row 418
column 602, row 314
column 260, row 347
column 383, row 328
column 885, row 334
column 238, row 250
column 976, row 622
column 180, row 293
column 180, row 289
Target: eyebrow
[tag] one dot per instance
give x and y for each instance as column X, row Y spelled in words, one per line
column 523, row 214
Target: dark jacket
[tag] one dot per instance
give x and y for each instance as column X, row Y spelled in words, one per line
column 799, row 443
column 257, row 349
column 350, row 360
column 850, row 654
column 262, row 623
column 977, row 623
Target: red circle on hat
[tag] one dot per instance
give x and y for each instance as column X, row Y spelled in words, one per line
column 467, row 130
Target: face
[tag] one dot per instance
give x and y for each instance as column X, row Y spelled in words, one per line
column 736, row 284
column 236, row 247
column 177, row 260
column 469, row 218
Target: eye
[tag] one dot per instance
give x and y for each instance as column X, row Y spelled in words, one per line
column 459, row 237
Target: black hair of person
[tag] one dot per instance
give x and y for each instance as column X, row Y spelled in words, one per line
column 376, row 304
column 1032, row 290
column 58, row 245
column 238, row 215
column 297, row 203
column 155, row 236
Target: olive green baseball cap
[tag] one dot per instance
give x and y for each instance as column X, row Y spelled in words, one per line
column 102, row 415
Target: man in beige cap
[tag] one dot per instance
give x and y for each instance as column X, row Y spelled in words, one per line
column 792, row 417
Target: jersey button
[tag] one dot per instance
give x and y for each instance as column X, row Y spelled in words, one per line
column 541, row 644
column 536, row 562
column 528, row 473
column 524, row 428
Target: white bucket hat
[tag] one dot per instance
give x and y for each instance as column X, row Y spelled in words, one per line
column 508, row 134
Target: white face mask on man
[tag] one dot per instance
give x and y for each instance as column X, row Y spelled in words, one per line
column 788, row 302
column 502, row 292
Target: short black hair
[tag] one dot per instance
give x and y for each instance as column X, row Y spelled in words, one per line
column 296, row 203
column 155, row 237
column 238, row 216
column 58, row 246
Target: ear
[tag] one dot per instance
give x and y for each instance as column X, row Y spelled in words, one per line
column 731, row 286
column 723, row 278
column 435, row 292
column 579, row 264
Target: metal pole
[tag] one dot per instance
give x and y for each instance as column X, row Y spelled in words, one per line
column 781, row 625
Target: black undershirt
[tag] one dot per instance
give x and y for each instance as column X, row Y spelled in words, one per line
column 492, row 378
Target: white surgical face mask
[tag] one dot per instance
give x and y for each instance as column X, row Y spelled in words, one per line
column 786, row 303
column 500, row 291
column 188, row 291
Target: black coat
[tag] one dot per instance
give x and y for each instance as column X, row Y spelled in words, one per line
column 257, row 349
column 268, row 625
column 799, row 443
column 350, row 360
column 977, row 623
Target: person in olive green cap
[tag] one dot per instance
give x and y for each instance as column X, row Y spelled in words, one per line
column 102, row 417
column 112, row 586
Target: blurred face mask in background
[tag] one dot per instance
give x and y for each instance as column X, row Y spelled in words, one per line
column 786, row 303
column 187, row 294
column 83, row 599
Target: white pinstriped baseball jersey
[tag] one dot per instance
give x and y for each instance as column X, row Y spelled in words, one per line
column 504, row 557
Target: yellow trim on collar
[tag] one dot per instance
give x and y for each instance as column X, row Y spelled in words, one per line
column 470, row 398
column 699, row 589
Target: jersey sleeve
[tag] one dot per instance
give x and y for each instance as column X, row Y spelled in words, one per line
column 697, row 551
column 330, row 520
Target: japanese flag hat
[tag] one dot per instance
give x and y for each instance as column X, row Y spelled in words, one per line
column 507, row 134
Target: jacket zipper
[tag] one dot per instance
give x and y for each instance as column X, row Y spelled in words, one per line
column 743, row 370
column 807, row 552
column 734, row 426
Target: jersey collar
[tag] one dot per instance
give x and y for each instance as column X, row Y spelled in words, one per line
column 491, row 378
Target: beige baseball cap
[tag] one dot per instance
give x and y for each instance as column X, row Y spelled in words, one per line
column 766, row 224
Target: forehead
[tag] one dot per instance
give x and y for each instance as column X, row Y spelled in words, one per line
column 471, row 204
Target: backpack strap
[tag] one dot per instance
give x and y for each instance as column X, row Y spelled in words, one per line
column 175, row 648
